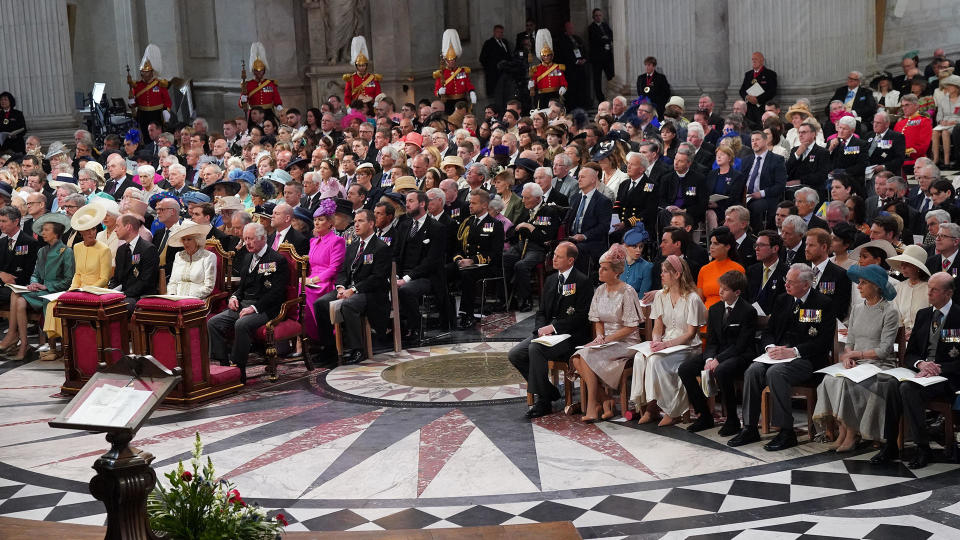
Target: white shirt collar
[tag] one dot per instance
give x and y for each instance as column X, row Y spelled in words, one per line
column 283, row 234
column 741, row 238
column 482, row 217
column 133, row 242
column 262, row 251
column 588, row 194
column 566, row 275
column 946, row 308
column 14, row 237
column 805, row 296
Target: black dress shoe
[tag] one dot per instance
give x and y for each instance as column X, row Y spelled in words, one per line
column 542, row 407
column 705, row 421
column 746, row 436
column 886, row 454
column 787, row 438
column 354, row 357
column 525, row 305
column 729, row 429
column 466, row 322
column 921, row 459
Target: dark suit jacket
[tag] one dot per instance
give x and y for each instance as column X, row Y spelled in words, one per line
column 595, row 224
column 704, row 158
column 160, row 242
column 853, row 158
column 491, row 54
column 310, row 203
column 300, row 242
column 935, row 264
column 21, row 260
column 810, row 330
column 746, row 251
column 817, row 223
column 371, row 273
column 733, row 339
column 545, row 227
column 692, row 189
column 266, row 285
column 696, row 259
column 812, row 170
column 772, row 179
column 765, row 295
column 734, row 188
column 863, row 103
column 567, row 312
column 890, row 151
column 484, row 238
column 659, row 89
column 118, row 191
column 799, row 257
column 947, row 352
column 558, row 198
column 835, row 284
column 422, row 255
column 767, row 79
column 136, row 273
column 641, row 202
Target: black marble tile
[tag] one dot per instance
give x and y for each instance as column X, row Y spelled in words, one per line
column 794, row 527
column 32, row 502
column 897, row 532
column 340, row 520
column 76, row 510
column 624, row 507
column 551, row 511
column 411, row 518
column 894, row 468
column 690, row 498
column 7, row 491
column 822, row 479
column 479, row 516
column 761, row 490
column 815, row 537
column 725, row 535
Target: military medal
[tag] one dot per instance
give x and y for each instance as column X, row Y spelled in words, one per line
column 136, row 272
column 571, row 311
column 6, row 121
column 812, row 331
column 267, row 284
column 646, row 89
column 754, row 81
column 954, row 352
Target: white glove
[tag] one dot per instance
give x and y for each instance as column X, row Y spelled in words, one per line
column 243, row 98
column 473, row 97
column 530, row 84
column 562, row 90
column 442, row 91
column 279, row 108
column 166, row 115
column 131, row 102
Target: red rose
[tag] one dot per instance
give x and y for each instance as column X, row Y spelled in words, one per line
column 234, row 497
column 186, row 476
column 282, row 519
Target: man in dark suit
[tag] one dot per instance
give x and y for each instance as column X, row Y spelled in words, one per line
column 706, row 152
column 168, row 213
column 731, row 330
column 363, row 283
column 117, row 180
column 809, row 163
column 765, row 278
column 263, row 283
column 136, row 264
column 588, row 219
column 737, row 219
column 887, row 147
column 674, row 241
column 311, row 192
column 18, row 256
column 855, row 97
column 480, row 254
column 494, row 50
column 653, row 85
column 537, row 225
column 793, row 231
column 600, row 38
column 828, row 278
column 806, row 200
column 282, row 221
column 571, row 51
column 687, row 185
column 801, row 327
column 564, row 304
column 767, row 79
column 946, row 258
column 850, row 153
column 421, row 250
column 766, row 181
column 932, row 350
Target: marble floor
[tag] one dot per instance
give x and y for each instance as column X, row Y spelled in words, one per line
column 349, row 449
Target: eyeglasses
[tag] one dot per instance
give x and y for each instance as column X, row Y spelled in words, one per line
column 942, row 236
column 34, row 202
column 69, row 206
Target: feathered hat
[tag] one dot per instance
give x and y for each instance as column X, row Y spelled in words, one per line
column 358, row 50
column 151, row 59
column 450, row 44
column 544, row 43
column 258, row 56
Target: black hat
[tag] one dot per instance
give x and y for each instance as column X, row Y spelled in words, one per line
column 264, row 210
column 302, row 214
column 232, row 186
column 299, row 162
column 604, row 149
column 344, row 207
column 145, row 155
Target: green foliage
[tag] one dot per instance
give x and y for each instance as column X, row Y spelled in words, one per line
column 197, row 506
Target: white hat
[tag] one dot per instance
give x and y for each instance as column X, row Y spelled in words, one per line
column 915, row 255
column 151, row 60
column 231, row 202
column 56, row 148
column 675, row 100
column 450, row 44
column 544, row 43
column 88, row 217
column 110, row 207
column 358, row 51
column 187, row 228
column 258, row 55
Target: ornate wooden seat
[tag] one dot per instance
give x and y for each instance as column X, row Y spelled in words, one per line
column 94, row 331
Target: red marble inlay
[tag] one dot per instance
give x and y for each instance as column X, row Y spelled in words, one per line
column 439, row 440
column 592, row 437
column 37, row 421
column 312, row 438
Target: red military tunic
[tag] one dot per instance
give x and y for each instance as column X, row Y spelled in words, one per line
column 356, row 86
column 152, row 96
column 548, row 78
column 917, row 131
column 264, row 94
column 459, row 84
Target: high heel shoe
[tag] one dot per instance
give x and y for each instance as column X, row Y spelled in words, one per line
column 613, row 411
column 11, row 347
column 28, row 355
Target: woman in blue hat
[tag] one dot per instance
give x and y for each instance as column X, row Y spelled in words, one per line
column 639, row 271
column 858, row 408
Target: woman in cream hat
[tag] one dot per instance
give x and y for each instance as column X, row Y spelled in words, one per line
column 453, row 167
column 948, row 114
column 111, row 212
column 796, row 114
column 194, row 270
column 911, row 292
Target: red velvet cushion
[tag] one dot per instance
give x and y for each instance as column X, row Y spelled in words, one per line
column 162, row 304
column 223, row 374
column 285, row 330
column 84, row 298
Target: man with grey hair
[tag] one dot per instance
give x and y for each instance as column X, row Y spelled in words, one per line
column 836, row 213
column 794, row 232
column 806, row 200
column 802, row 325
column 850, row 153
column 117, row 180
column 945, row 259
column 706, row 152
column 638, row 196
column 737, row 219
column 685, row 187
column 618, row 108
column 256, row 300
column 544, row 178
column 926, row 174
column 887, row 147
column 856, row 98
column 564, row 180
column 476, row 177
column 537, row 225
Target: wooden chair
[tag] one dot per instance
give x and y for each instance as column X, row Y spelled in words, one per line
column 806, row 391
column 394, row 316
column 287, row 324
column 217, row 301
column 944, row 406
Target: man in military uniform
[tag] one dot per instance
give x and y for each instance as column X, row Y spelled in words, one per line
column 452, row 83
column 260, row 93
column 537, row 225
column 546, row 80
column 360, row 84
column 481, row 252
column 149, row 97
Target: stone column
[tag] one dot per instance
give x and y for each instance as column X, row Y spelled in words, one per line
column 36, row 67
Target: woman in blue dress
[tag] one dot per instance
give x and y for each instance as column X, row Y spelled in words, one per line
column 638, row 271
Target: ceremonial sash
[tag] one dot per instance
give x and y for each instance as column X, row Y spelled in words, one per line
column 357, row 90
column 547, row 72
column 260, row 87
column 452, row 76
column 146, row 88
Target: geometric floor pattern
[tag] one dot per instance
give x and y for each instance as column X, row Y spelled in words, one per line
column 330, row 460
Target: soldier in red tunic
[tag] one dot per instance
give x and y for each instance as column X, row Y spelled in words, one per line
column 546, row 80
column 360, row 84
column 261, row 93
column 149, row 98
column 917, row 131
column 452, row 82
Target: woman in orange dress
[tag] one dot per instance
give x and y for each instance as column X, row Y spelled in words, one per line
column 723, row 251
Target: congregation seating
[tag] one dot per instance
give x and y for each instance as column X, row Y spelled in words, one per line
column 95, row 331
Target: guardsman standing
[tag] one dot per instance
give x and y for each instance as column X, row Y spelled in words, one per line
column 149, row 97
column 452, row 82
column 546, row 80
column 360, row 84
column 261, row 93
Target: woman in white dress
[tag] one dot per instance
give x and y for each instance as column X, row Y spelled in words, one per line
column 948, row 114
column 616, row 317
column 911, row 292
column 194, row 271
column 109, row 235
column 678, row 313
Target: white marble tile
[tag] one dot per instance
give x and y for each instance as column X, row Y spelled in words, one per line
column 518, row 520
column 582, row 502
column 765, row 535
column 29, row 491
column 733, row 503
column 303, row 514
column 369, row 526
column 442, row 524
column 722, row 487
column 73, row 498
column 565, row 464
column 805, row 493
column 38, row 514
column 844, row 527
column 516, row 508
column 934, row 468
column 461, row 474
column 779, row 477
column 444, row 511
column 670, row 511
column 99, row 519
column 952, row 509
column 389, row 474
column 373, row 514
column 895, row 502
column 652, row 495
column 593, row 519
column 869, row 481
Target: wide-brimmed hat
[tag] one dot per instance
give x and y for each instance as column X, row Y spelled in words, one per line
column 405, row 182
column 110, row 207
column 265, row 210
column 279, row 176
column 232, row 187
column 526, row 164
column 63, row 178
column 604, row 149
column 96, row 169
column 88, row 217
column 238, row 175
column 455, row 161
column 675, row 100
column 413, row 138
column 56, row 148
column 195, row 197
column 136, row 207
column 231, row 202
column 797, row 109
column 913, row 255
column 952, row 80
column 303, row 215
column 187, row 228
column 875, row 274
column 344, row 207
column 52, row 217
column 366, row 165
column 886, row 246
column 299, row 162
